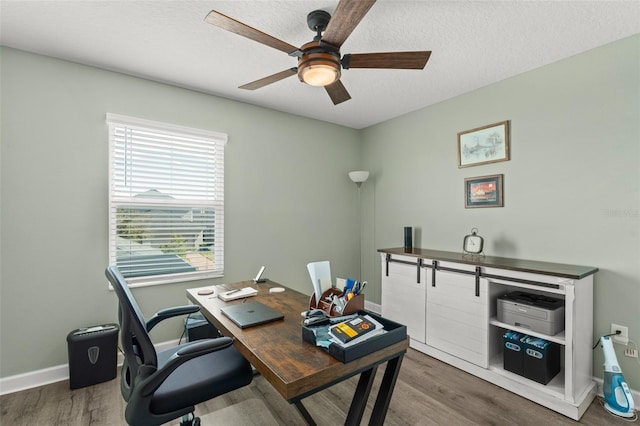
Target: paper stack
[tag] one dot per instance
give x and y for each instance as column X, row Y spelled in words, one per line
column 237, row 294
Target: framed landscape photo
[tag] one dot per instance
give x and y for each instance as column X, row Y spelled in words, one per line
column 487, row 144
column 483, row 191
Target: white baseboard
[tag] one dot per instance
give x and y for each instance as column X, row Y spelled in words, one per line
column 33, row 379
column 373, row 307
column 50, row 375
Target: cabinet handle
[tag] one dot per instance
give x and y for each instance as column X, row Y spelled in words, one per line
column 388, row 259
column 477, row 281
column 419, row 266
column 434, row 267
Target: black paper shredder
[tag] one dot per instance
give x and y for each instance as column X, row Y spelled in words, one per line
column 93, row 355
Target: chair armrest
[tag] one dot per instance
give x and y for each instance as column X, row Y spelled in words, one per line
column 171, row 312
column 184, row 354
column 203, row 347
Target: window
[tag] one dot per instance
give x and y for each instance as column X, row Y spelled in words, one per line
column 166, row 201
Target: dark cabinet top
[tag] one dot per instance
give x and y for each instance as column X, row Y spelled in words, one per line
column 574, row 272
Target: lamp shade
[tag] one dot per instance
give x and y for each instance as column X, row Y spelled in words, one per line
column 359, row 176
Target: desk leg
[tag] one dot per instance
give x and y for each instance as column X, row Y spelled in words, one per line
column 386, row 390
column 304, row 413
column 360, row 397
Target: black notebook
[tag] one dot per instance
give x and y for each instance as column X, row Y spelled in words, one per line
column 251, row 313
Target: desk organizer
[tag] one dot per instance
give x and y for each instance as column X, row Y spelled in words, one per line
column 395, row 333
column 354, row 305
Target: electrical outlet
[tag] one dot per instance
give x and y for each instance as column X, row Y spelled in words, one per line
column 631, row 352
column 623, row 336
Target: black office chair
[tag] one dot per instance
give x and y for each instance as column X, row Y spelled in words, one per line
column 163, row 386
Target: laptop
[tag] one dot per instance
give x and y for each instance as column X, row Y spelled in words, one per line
column 248, row 314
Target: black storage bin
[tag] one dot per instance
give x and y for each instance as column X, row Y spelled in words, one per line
column 513, row 352
column 199, row 328
column 93, row 355
column 541, row 359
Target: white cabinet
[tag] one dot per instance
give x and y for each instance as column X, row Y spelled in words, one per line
column 457, row 316
column 403, row 288
column 449, row 303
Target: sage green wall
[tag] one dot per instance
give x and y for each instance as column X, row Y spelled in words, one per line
column 289, row 200
column 571, row 188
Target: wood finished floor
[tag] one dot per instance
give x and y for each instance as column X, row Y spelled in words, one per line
column 428, row 392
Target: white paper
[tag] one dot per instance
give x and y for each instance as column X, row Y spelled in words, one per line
column 319, row 271
column 325, row 284
column 233, row 294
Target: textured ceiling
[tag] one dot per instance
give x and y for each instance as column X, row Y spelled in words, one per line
column 474, row 44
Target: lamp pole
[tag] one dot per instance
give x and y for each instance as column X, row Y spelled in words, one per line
column 358, row 177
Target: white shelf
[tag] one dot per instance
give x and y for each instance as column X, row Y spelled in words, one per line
column 557, row 338
column 555, row 387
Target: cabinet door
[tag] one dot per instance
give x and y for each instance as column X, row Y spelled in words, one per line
column 403, row 298
column 457, row 319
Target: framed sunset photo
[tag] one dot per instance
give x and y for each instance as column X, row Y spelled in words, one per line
column 483, row 191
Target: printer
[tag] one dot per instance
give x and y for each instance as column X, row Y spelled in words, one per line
column 538, row 313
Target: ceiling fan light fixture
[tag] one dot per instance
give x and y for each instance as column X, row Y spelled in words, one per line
column 319, row 69
column 319, row 75
column 320, row 62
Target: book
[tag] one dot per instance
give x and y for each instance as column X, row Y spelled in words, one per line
column 356, row 330
column 362, row 338
column 237, row 294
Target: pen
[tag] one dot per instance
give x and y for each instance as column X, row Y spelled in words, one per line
column 232, row 291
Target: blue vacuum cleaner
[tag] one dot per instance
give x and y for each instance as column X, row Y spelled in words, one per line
column 617, row 395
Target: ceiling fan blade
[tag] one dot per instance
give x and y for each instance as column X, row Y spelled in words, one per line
column 396, row 60
column 270, row 79
column 345, row 19
column 237, row 27
column 337, row 92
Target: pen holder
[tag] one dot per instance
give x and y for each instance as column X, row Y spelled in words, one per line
column 326, row 303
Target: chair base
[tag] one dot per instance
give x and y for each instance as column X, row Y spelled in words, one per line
column 250, row 412
column 190, row 420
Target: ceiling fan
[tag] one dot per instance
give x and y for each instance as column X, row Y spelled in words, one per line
column 319, row 61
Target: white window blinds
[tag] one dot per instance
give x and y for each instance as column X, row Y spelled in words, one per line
column 166, row 201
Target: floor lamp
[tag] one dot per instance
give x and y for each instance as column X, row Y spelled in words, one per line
column 358, row 177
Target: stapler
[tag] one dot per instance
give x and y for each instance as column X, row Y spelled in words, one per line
column 316, row 317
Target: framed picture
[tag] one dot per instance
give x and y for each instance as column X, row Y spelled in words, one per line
column 483, row 191
column 487, row 144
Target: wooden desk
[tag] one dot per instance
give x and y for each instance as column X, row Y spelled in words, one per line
column 295, row 368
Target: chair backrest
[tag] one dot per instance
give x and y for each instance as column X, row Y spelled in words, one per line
column 136, row 344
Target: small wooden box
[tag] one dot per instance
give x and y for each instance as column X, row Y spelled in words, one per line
column 354, row 305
